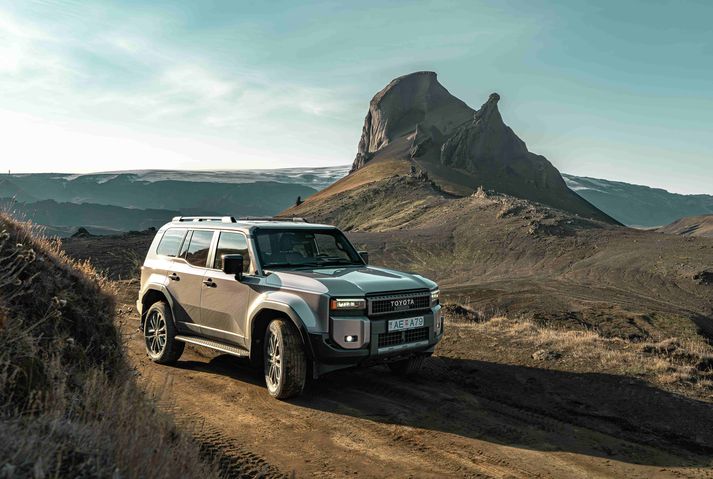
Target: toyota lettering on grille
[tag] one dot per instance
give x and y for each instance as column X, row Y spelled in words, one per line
column 401, row 304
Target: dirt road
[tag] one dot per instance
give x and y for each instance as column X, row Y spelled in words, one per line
column 463, row 417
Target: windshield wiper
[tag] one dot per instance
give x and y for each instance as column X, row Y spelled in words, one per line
column 343, row 262
column 290, row 265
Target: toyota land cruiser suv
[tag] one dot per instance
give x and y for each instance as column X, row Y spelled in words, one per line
column 296, row 298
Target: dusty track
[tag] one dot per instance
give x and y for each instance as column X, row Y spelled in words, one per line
column 464, row 417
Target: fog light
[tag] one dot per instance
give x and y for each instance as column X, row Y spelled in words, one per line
column 439, row 323
column 351, row 339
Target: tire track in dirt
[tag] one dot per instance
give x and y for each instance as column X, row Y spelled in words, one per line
column 450, row 422
column 234, row 461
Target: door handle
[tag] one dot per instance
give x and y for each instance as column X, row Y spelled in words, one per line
column 209, row 282
column 174, row 277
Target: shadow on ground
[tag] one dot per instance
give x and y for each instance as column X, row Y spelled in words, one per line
column 597, row 415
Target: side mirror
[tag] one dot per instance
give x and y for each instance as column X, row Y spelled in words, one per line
column 365, row 256
column 233, row 264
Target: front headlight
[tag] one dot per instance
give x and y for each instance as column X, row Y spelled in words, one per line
column 434, row 297
column 347, row 304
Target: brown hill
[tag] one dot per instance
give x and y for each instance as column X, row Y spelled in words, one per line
column 690, row 226
column 506, row 253
column 416, row 121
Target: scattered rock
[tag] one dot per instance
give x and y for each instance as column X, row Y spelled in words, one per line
column 480, row 193
column 545, row 355
column 703, row 277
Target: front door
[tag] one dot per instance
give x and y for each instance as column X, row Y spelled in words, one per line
column 185, row 279
column 224, row 299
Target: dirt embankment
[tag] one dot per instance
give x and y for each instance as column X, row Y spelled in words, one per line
column 69, row 405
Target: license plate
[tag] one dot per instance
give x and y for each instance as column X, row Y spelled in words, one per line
column 405, row 323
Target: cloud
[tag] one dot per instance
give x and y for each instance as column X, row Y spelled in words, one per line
column 85, row 92
column 122, row 75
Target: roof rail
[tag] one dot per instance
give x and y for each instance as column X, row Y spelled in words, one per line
column 294, row 219
column 222, row 219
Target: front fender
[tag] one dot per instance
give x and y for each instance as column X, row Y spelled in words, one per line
column 292, row 306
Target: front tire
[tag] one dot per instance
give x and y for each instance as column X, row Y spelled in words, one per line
column 284, row 360
column 407, row 367
column 160, row 335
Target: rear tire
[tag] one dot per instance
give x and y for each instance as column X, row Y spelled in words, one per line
column 160, row 335
column 284, row 360
column 407, row 367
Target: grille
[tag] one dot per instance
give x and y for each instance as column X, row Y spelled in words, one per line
column 395, row 338
column 390, row 339
column 415, row 335
column 397, row 302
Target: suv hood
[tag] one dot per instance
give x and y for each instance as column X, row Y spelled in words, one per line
column 350, row 281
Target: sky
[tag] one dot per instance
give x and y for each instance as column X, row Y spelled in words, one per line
column 607, row 89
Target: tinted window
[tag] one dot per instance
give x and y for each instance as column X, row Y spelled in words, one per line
column 198, row 247
column 232, row 243
column 171, row 241
column 304, row 247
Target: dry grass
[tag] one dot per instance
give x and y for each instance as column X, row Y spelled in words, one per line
column 682, row 365
column 69, row 406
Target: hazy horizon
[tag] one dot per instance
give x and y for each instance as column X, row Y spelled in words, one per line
column 611, row 91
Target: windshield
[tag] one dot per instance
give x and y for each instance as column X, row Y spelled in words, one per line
column 294, row 248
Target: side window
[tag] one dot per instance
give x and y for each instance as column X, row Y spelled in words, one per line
column 232, row 243
column 198, row 248
column 171, row 241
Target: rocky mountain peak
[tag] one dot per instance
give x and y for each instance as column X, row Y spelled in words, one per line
column 407, row 103
column 414, row 118
column 484, row 140
column 489, row 108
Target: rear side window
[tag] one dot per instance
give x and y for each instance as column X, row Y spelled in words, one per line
column 196, row 253
column 171, row 241
column 232, row 243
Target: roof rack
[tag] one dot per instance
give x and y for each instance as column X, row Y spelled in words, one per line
column 222, row 219
column 294, row 219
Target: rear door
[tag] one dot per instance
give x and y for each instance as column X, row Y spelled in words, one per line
column 224, row 300
column 185, row 278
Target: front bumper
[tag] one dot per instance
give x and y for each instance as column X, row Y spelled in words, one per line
column 328, row 351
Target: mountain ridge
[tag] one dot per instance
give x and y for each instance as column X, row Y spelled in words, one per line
column 414, row 119
column 638, row 205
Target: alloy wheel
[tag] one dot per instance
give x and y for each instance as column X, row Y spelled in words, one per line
column 273, row 362
column 155, row 334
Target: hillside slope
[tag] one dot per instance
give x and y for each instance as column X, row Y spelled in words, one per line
column 69, row 406
column 415, row 120
column 690, row 226
column 637, row 205
column 497, row 252
column 63, row 219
